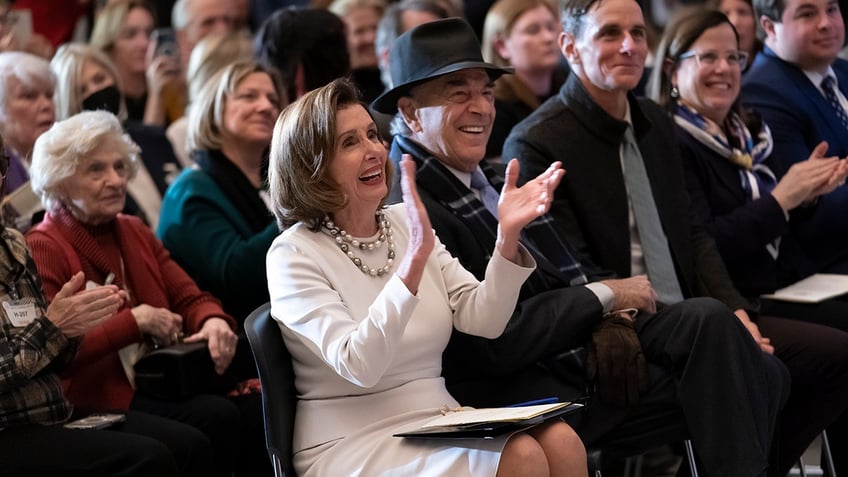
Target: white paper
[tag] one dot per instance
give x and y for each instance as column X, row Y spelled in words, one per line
column 813, row 289
column 497, row 414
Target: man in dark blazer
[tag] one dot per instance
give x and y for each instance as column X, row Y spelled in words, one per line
column 726, row 389
column 802, row 43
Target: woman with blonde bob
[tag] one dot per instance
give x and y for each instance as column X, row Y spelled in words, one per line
column 367, row 297
column 215, row 220
column 154, row 92
column 523, row 35
column 209, row 56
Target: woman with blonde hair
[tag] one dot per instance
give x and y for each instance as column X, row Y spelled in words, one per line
column 209, row 56
column 215, row 219
column 522, row 34
column 152, row 85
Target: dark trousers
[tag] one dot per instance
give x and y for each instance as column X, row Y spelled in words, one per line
column 253, row 458
column 142, row 446
column 729, row 391
column 708, row 381
column 817, row 358
column 215, row 416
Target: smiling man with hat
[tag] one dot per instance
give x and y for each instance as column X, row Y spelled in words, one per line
column 444, row 110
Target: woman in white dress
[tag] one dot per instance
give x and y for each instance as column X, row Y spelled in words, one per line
column 367, row 297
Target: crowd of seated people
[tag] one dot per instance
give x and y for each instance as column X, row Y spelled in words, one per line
column 183, row 162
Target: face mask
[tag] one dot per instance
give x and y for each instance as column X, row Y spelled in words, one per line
column 108, row 98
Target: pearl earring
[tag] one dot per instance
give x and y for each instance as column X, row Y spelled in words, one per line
column 675, row 93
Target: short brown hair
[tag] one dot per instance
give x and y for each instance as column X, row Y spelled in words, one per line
column 301, row 151
column 679, row 36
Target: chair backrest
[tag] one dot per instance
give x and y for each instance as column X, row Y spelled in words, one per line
column 279, row 396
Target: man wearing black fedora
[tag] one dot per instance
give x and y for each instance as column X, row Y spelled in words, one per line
column 444, row 106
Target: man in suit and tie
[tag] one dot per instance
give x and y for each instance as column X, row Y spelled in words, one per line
column 799, row 86
column 727, row 391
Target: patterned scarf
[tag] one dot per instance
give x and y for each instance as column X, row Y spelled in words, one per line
column 540, row 236
column 756, row 178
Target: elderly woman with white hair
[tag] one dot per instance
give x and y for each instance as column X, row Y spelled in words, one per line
column 80, row 170
column 26, row 109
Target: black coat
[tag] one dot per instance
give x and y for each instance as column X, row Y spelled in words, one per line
column 591, row 204
column 542, row 325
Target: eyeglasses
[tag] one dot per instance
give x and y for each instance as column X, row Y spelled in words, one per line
column 711, row 58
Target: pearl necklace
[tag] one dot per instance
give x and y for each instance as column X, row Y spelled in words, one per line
column 348, row 244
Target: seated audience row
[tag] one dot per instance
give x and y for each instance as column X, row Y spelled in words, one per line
column 81, row 168
column 39, row 342
column 725, row 153
column 659, row 240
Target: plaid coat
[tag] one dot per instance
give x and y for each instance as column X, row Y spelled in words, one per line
column 32, row 354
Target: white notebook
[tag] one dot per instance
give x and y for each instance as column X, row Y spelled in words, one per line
column 813, row 289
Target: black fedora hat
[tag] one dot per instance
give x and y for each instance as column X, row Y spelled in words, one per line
column 429, row 50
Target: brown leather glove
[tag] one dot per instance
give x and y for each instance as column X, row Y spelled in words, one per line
column 616, row 361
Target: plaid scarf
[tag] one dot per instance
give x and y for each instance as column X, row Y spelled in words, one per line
column 540, row 236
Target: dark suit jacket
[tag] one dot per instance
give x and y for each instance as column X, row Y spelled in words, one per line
column 800, row 117
column 591, row 203
column 156, row 153
column 741, row 227
column 542, row 326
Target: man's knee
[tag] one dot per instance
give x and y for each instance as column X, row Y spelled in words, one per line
column 705, row 318
column 152, row 457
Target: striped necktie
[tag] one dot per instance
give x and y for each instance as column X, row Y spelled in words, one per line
column 828, row 85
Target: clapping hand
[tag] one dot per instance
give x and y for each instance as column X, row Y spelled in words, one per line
column 807, row 180
column 75, row 312
column 421, row 236
column 518, row 206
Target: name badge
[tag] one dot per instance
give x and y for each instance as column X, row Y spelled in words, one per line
column 20, row 314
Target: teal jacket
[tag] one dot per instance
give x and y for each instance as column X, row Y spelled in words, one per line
column 211, row 240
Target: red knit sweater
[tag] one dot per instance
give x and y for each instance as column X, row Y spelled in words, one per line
column 62, row 246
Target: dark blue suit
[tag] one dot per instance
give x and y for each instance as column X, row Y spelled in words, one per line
column 800, row 117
